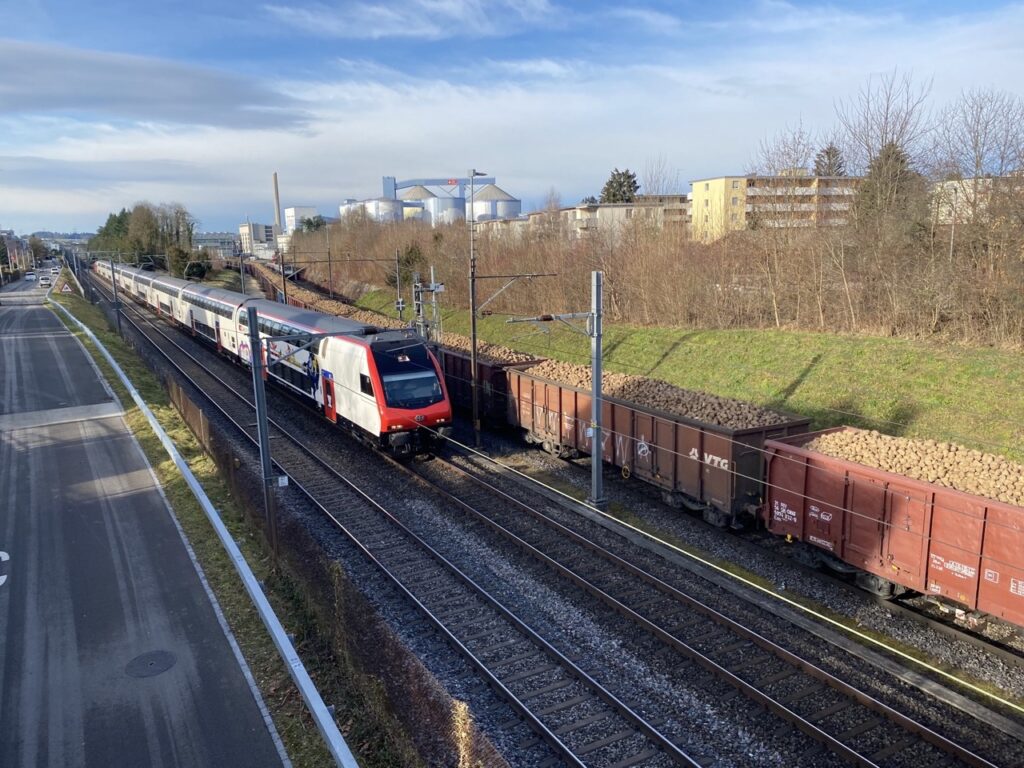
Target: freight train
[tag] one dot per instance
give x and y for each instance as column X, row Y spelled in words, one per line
column 889, row 532
column 384, row 386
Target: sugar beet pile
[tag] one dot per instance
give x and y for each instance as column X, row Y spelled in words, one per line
column 662, row 396
column 945, row 464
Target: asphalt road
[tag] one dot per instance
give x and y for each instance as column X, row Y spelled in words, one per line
column 111, row 652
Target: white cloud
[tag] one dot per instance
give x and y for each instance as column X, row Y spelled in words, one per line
column 426, row 19
column 653, row 21
column 535, row 124
column 50, row 79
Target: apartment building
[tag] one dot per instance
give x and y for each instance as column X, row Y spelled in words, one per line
column 796, row 199
column 258, row 239
column 588, row 219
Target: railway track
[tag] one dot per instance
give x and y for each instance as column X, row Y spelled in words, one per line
column 844, row 720
column 1007, row 647
column 577, row 718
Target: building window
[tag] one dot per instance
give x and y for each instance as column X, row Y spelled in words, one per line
column 705, row 218
column 706, row 202
column 734, row 217
column 707, row 186
column 735, row 201
column 735, row 184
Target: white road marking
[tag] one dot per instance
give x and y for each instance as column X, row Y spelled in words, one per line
column 4, row 557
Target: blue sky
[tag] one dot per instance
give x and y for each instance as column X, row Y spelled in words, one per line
column 106, row 104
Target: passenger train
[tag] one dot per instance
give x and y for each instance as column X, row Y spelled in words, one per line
column 384, row 386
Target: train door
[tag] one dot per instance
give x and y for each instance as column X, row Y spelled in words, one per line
column 192, row 321
column 216, row 332
column 865, row 520
column 330, row 408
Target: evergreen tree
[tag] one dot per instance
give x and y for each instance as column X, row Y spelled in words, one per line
column 829, row 161
column 177, row 260
column 621, row 187
column 890, row 185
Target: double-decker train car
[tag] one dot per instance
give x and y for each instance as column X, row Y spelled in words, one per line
column 384, row 386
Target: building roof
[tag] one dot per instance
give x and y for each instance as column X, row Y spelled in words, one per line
column 419, row 192
column 492, row 192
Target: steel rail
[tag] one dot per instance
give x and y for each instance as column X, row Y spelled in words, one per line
column 927, row 734
column 672, row 750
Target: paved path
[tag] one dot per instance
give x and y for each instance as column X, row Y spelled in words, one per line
column 111, row 651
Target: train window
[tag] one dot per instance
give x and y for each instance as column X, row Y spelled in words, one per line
column 365, row 385
column 243, row 319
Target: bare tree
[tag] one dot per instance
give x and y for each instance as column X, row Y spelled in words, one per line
column 890, row 110
column 658, row 178
column 786, row 153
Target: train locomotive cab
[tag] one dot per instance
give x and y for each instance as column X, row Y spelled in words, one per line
column 383, row 386
column 414, row 406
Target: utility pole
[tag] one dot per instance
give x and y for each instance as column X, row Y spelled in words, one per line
column 596, row 445
column 428, row 329
column 473, row 373
column 595, row 331
column 266, row 466
column 284, row 277
column 117, row 303
column 399, row 303
column 330, row 271
column 435, row 288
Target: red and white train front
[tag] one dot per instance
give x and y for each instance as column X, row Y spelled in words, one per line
column 414, row 405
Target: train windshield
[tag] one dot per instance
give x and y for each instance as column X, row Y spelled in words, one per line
column 408, row 376
column 412, row 390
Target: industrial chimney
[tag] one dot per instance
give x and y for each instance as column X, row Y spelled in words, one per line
column 277, row 207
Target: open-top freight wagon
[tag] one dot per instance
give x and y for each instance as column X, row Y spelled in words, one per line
column 898, row 532
column 492, row 381
column 715, row 469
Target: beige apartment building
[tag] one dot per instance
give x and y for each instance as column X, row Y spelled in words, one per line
column 797, row 199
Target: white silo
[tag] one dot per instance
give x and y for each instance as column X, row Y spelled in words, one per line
column 446, row 210
column 492, row 202
column 383, row 209
column 414, row 203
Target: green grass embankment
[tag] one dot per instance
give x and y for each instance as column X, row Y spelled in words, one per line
column 924, row 389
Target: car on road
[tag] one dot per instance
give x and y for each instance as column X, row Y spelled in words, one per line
column 45, row 282
column 30, row 275
column 54, row 270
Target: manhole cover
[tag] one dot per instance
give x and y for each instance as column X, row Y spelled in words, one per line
column 150, row 664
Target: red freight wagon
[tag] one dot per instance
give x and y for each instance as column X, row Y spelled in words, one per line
column 709, row 467
column 922, row 536
column 492, row 377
